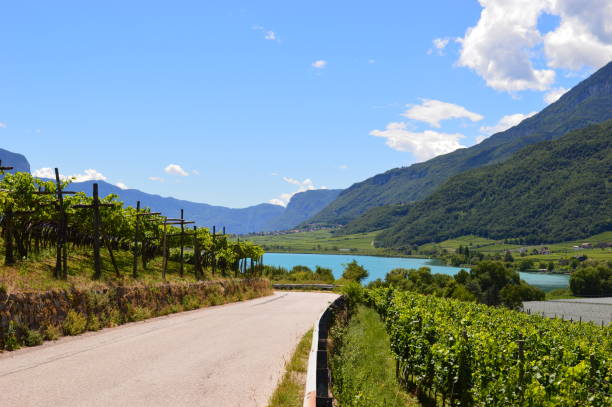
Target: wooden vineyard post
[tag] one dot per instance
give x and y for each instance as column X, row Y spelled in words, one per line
column 135, row 264
column 61, row 261
column 182, row 244
column 136, row 241
column 182, row 222
column 9, row 255
column 96, row 233
column 165, row 258
column 214, row 260
column 95, row 207
column 112, row 256
column 60, row 270
column 196, row 258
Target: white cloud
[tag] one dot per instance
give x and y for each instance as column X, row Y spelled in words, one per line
column 46, row 172
column 434, row 111
column 156, row 179
column 2, row 125
column 121, row 185
column 88, row 175
column 584, row 36
column 284, row 198
column 499, row 47
column 175, row 169
column 371, row 61
column 504, row 123
column 504, row 44
column 343, row 167
column 554, row 95
column 195, row 172
column 320, row 64
column 439, row 45
column 268, row 34
column 423, row 145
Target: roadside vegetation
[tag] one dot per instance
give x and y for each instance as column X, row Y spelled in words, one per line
column 363, row 365
column 488, row 282
column 290, row 390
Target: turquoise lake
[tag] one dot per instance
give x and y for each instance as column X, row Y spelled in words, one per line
column 378, row 267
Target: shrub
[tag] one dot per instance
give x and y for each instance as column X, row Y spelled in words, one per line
column 52, row 333
column 191, row 302
column 75, row 323
column 114, row 318
column 33, row 338
column 138, row 313
column 171, row 309
column 354, row 271
column 354, row 293
column 10, row 337
column 215, row 299
column 93, row 323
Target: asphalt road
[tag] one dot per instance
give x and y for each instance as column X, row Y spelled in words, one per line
column 231, row 355
column 596, row 310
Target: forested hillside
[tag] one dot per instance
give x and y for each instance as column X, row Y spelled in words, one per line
column 552, row 191
column 588, row 102
column 17, row 161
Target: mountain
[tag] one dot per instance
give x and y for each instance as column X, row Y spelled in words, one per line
column 245, row 220
column 552, row 191
column 303, row 206
column 18, row 161
column 259, row 218
column 588, row 102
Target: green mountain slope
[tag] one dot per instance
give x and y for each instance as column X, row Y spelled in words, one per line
column 552, row 191
column 17, row 161
column 587, row 103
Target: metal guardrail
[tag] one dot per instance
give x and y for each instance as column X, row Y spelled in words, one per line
column 317, row 392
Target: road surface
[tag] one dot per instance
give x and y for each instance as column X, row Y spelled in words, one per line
column 232, row 355
column 596, row 310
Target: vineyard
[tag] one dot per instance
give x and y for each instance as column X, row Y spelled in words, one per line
column 42, row 219
column 465, row 354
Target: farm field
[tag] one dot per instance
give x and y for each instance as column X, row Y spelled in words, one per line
column 321, row 241
column 558, row 250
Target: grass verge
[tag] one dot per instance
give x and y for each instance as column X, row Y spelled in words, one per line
column 290, row 391
column 363, row 368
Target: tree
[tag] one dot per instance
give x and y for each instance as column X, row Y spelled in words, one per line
column 354, row 272
column 591, row 281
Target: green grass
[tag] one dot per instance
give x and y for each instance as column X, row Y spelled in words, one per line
column 363, row 368
column 290, row 391
column 321, row 241
column 559, row 294
column 36, row 273
column 558, row 250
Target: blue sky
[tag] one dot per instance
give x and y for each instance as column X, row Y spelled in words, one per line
column 241, row 102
